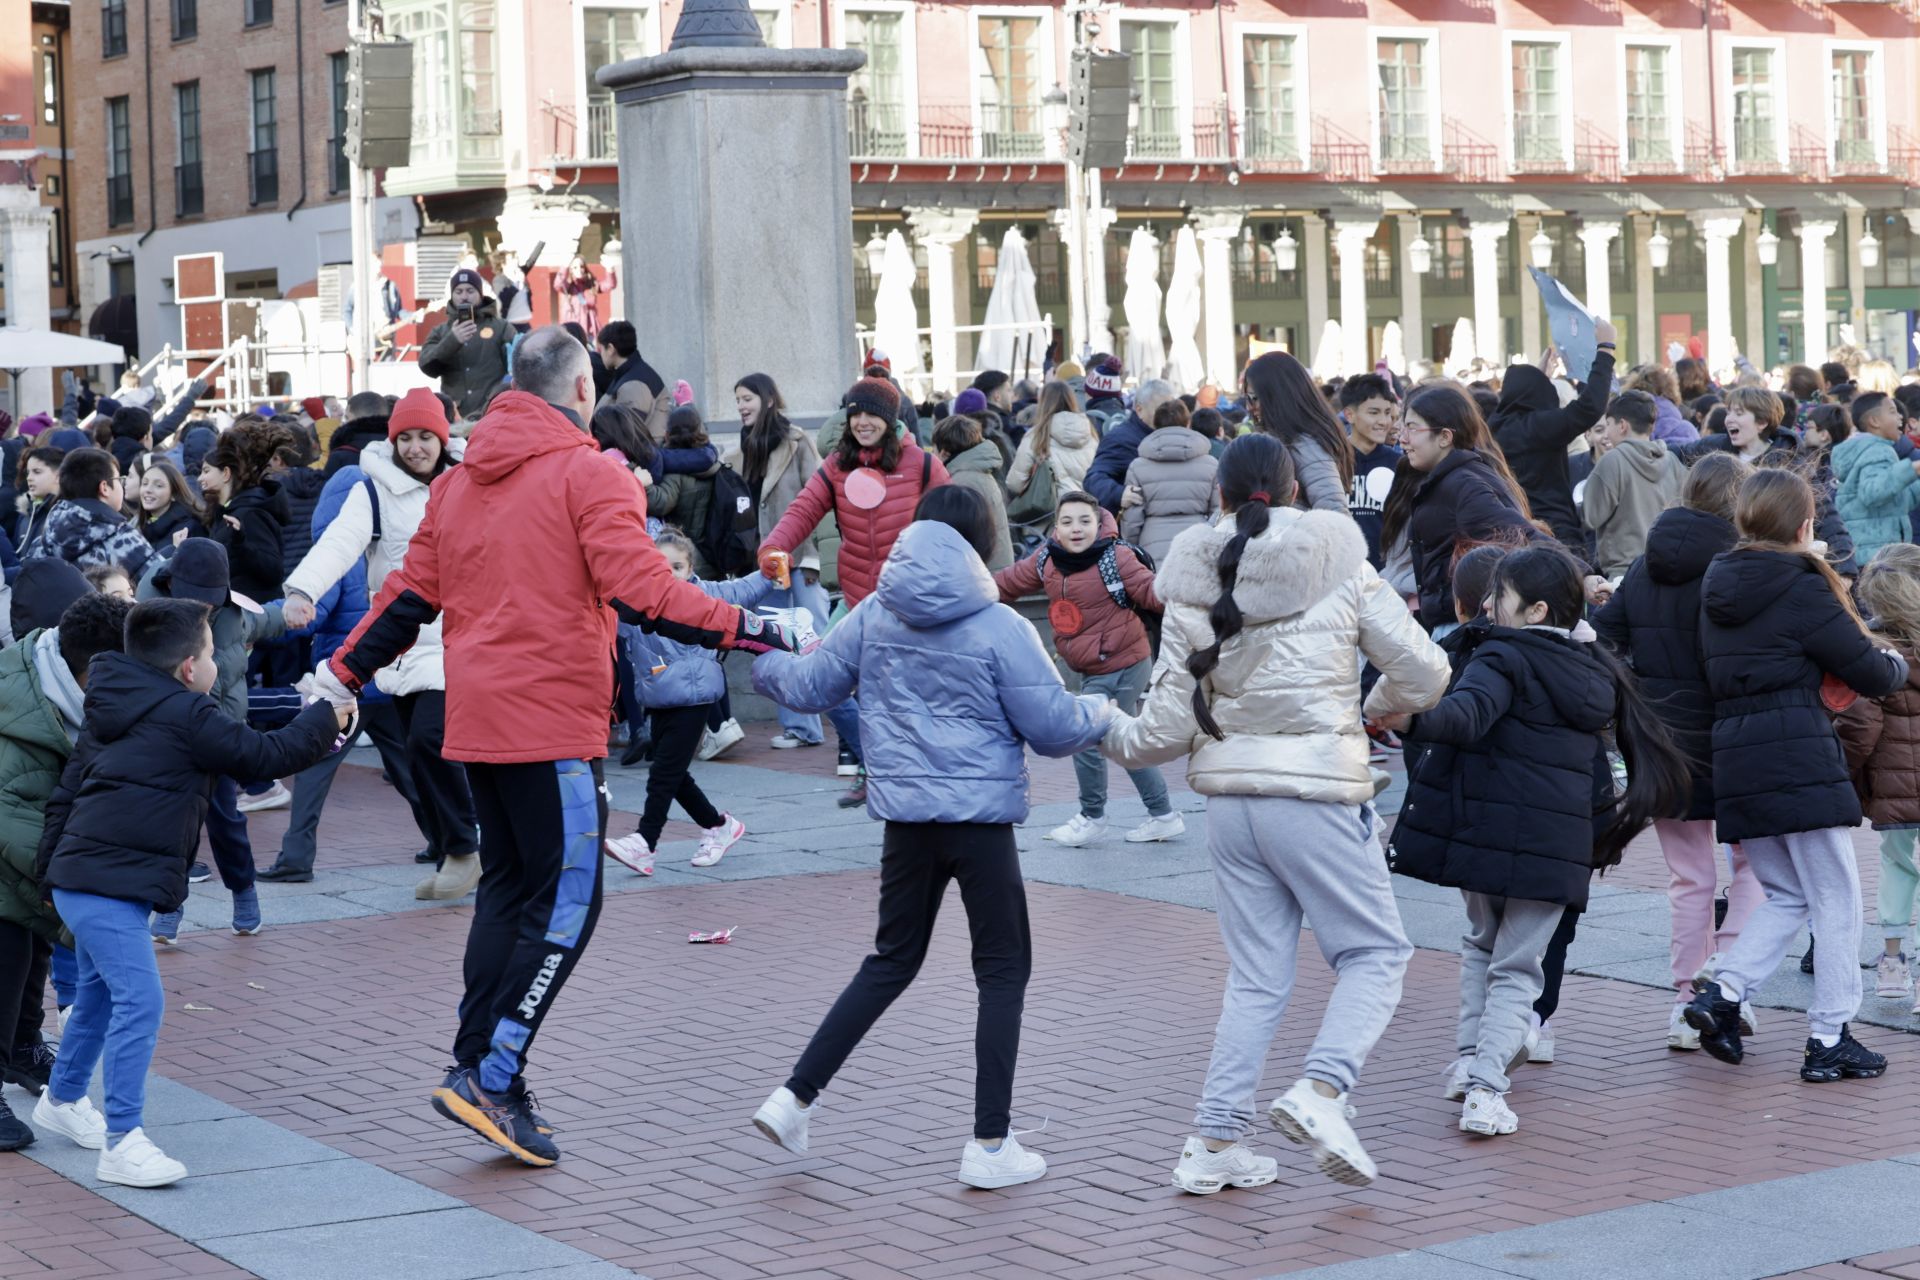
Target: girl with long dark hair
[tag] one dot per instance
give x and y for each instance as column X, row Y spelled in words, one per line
column 1257, row 686
column 1287, row 405
column 777, row 459
column 165, row 508
column 1514, row 805
column 246, row 512
column 1782, row 641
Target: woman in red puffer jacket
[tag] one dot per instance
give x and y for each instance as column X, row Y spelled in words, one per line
column 870, row 484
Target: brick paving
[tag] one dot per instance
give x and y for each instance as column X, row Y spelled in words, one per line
column 53, row 1229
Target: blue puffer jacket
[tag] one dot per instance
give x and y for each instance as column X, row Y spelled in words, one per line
column 668, row 673
column 339, row 610
column 953, row 686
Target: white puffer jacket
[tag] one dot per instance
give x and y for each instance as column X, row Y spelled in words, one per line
column 1071, row 445
column 1286, row 692
column 403, row 505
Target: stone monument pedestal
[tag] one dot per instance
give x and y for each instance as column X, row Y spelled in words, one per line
column 736, row 220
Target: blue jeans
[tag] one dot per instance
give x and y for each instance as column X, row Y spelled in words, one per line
column 117, row 1010
column 227, row 834
column 66, row 975
column 812, row 597
column 1125, row 688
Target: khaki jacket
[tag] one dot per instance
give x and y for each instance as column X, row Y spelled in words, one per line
column 1286, row 692
column 792, row 464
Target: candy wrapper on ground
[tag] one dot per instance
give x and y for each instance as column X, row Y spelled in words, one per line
column 717, row 937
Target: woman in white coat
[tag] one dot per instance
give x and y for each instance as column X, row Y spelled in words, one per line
column 1061, row 437
column 377, row 521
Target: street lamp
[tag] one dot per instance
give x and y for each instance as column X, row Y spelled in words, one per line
column 1541, row 247
column 1420, row 255
column 1286, row 250
column 876, row 248
column 1657, row 246
column 1869, row 249
column 1766, row 247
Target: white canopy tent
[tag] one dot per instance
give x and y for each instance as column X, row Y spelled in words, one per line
column 1146, row 355
column 1015, row 301
column 1393, row 349
column 1186, row 369
column 896, row 322
column 1328, row 352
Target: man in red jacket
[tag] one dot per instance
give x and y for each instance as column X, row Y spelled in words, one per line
column 525, row 550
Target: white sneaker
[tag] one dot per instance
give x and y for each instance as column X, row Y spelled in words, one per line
column 76, row 1120
column 715, row 742
column 1078, row 830
column 788, row 742
column 1487, row 1113
column 1540, row 1044
column 715, row 841
column 1202, row 1172
column 63, row 1015
column 1457, row 1080
column 1306, row 1116
column 276, row 797
column 1679, row 1035
column 783, row 1119
column 1165, row 827
column 1749, row 1020
column 1706, row 971
column 632, row 852
column 1890, row 977
column 1010, row 1166
column 136, row 1162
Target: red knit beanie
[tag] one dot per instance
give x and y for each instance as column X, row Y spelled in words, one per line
column 418, row 410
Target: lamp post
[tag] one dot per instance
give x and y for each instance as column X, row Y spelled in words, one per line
column 1657, row 247
column 1541, row 247
column 1869, row 249
column 1420, row 255
column 876, row 250
column 1766, row 247
column 1054, row 111
column 1286, row 251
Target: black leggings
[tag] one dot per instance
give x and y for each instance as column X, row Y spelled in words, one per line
column 446, row 800
column 24, row 956
column 917, row 860
column 1554, row 963
column 676, row 736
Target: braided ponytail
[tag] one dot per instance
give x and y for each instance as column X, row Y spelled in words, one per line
column 1256, row 473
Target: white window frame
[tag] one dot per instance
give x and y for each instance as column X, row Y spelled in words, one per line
column 1676, row 101
column 1562, row 45
column 977, row 61
column 1429, row 64
column 1182, row 62
column 782, row 22
column 1782, row 120
column 179, row 123
column 1876, row 94
column 582, row 76
column 1302, row 108
column 909, row 55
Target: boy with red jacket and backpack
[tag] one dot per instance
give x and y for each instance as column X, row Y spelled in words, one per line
column 1094, row 583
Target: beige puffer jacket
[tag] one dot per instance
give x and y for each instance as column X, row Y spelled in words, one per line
column 1286, row 692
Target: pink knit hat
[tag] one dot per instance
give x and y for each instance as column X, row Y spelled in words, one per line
column 682, row 393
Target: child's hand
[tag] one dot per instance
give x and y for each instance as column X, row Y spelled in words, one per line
column 343, row 715
column 1598, row 589
column 1393, row 723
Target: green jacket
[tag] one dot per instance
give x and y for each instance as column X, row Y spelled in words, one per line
column 684, row 502
column 469, row 371
column 33, row 750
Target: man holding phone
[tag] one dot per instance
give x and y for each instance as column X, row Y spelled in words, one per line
column 468, row 350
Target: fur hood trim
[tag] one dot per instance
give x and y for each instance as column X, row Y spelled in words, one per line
column 1301, row 558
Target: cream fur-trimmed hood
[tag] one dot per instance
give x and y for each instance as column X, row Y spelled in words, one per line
column 1299, row 561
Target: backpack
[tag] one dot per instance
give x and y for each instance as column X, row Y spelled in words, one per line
column 731, row 540
column 1037, row 502
column 373, row 505
column 1109, row 567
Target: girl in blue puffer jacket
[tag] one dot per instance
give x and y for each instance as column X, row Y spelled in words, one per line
column 954, row 686
column 679, row 683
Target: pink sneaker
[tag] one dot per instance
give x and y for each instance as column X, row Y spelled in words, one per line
column 715, row 842
column 632, row 852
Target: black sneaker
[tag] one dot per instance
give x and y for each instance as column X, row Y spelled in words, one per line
column 1720, row 907
column 522, row 1100
column 849, row 765
column 1806, row 961
column 199, row 873
column 14, row 1132
column 508, row 1123
column 639, row 749
column 1717, row 1019
column 31, row 1066
column 1848, row 1060
column 856, row 795
column 281, row 873
column 426, row 856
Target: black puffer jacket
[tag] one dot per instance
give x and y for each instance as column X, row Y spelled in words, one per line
column 1653, row 621
column 1533, row 430
column 1828, row 526
column 126, row 817
column 1770, row 629
column 256, row 551
column 159, row 533
column 301, row 487
column 1462, row 499
column 1504, row 800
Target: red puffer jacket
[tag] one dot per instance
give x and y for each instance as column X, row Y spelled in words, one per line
column 866, row 533
column 524, row 548
column 1093, row 633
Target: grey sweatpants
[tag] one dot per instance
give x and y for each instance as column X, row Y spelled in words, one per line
column 1276, row 862
column 1806, row 875
column 1500, row 978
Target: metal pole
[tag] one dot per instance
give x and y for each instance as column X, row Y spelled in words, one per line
column 359, row 226
column 1077, row 327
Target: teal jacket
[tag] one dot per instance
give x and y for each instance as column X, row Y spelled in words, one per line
column 1877, row 490
column 33, row 750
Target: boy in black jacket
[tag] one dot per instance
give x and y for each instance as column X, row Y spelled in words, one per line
column 120, row 831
